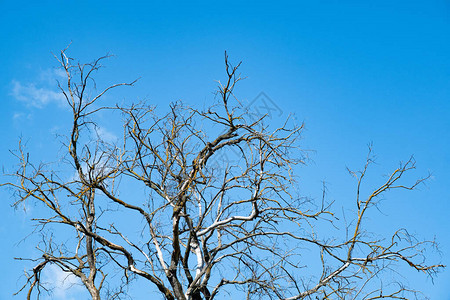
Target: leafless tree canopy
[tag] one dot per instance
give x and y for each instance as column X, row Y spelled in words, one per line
column 163, row 206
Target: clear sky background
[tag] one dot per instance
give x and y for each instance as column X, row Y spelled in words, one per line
column 355, row 72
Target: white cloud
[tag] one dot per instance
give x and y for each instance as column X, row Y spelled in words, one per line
column 41, row 93
column 105, row 135
column 50, row 76
column 18, row 116
column 59, row 73
column 64, row 285
column 34, row 96
column 21, row 116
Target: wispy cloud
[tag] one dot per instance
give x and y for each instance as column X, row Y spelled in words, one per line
column 106, row 135
column 21, row 116
column 64, row 285
column 34, row 96
column 40, row 93
column 50, row 76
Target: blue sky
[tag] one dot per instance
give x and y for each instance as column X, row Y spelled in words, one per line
column 355, row 72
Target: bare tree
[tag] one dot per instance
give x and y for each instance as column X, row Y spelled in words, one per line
column 207, row 226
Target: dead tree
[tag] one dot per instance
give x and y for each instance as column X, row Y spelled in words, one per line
column 208, row 225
